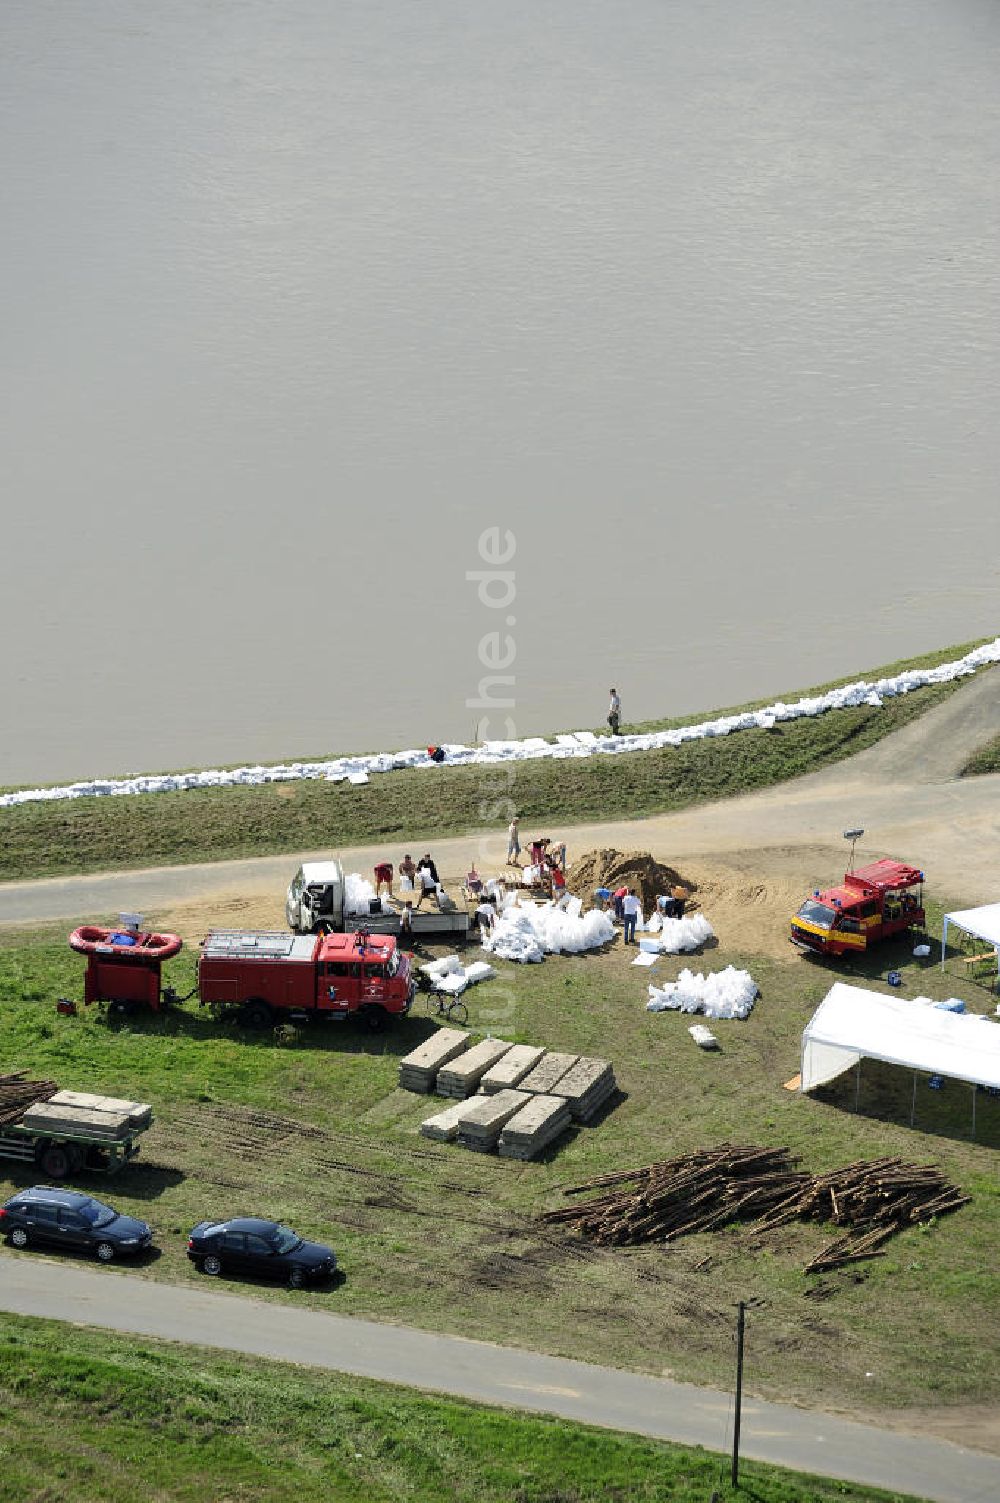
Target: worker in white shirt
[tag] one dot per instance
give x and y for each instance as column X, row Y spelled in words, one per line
column 631, row 909
column 614, row 712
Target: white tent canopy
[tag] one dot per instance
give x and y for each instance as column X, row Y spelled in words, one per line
column 852, row 1023
column 982, row 923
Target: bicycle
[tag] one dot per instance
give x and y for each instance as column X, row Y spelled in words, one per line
column 440, row 1005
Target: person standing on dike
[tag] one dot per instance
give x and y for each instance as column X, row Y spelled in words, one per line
column 513, row 843
column 614, row 712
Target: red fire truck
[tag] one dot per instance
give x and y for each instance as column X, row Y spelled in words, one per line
column 267, row 976
column 874, row 902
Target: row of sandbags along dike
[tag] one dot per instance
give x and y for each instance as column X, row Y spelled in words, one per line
column 511, row 1099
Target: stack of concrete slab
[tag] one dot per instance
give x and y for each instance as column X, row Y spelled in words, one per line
column 418, row 1070
column 539, row 1122
column 83, row 1122
column 511, row 1070
column 586, row 1087
column 443, row 1126
column 139, row 1113
column 480, row 1126
column 547, row 1073
column 461, row 1076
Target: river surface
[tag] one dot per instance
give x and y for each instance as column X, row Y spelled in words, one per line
column 699, row 301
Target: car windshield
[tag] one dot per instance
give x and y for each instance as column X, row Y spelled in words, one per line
column 285, row 1240
column 817, row 913
column 97, row 1215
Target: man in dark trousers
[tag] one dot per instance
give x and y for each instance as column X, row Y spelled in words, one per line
column 615, row 712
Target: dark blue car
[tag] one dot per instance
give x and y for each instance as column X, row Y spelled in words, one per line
column 63, row 1218
column 265, row 1249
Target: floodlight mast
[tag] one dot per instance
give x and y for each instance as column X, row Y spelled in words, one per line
column 853, row 836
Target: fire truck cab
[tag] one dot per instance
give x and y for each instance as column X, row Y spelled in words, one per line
column 269, row 976
column 873, row 903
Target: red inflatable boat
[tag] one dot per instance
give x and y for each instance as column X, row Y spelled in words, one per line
column 91, row 938
column 123, row 965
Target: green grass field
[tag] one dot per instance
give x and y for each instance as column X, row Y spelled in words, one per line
column 318, row 1134
column 987, row 759
column 95, row 1418
column 225, row 823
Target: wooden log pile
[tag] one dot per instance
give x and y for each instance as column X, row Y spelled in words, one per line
column 17, row 1095
column 713, row 1187
column 874, row 1199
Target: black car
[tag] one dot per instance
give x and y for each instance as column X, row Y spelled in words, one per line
column 265, row 1248
column 63, row 1218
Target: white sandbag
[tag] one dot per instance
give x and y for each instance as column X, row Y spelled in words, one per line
column 358, row 894
column 653, row 924
column 573, row 905
column 720, row 994
column 447, row 964
column 479, row 970
column 528, row 931
column 651, row 946
column 688, row 933
column 703, row 1036
column 452, row 983
column 356, row 770
column 646, row 958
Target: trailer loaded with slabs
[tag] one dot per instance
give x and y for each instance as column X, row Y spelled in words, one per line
column 64, row 1132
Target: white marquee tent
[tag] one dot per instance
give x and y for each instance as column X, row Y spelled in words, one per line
column 981, row 923
column 852, row 1023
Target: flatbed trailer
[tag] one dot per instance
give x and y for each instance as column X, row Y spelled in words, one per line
column 66, row 1131
column 59, row 1154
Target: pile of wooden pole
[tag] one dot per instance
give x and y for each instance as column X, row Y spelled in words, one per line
column 18, row 1094
column 694, row 1193
column 875, row 1199
column 712, row 1187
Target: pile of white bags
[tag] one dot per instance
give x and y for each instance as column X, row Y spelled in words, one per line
column 720, row 994
column 356, row 770
column 675, row 935
column 358, row 894
column 449, row 974
column 513, row 938
column 526, row 932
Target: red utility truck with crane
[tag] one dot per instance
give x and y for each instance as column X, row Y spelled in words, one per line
column 873, row 903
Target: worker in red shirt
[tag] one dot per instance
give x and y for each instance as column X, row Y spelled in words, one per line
column 383, row 878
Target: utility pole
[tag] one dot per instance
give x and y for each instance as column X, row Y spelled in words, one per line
column 740, row 1328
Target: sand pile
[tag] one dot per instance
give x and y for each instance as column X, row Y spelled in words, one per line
column 638, row 869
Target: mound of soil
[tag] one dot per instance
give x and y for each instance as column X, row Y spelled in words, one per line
column 638, row 869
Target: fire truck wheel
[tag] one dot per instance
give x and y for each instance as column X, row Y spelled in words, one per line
column 55, row 1162
column 375, row 1018
column 256, row 1015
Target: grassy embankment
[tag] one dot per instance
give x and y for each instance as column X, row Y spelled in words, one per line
column 218, row 824
column 318, row 1134
column 986, row 759
column 87, row 1419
